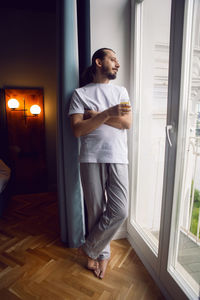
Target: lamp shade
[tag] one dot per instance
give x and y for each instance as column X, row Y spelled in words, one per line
column 35, row 109
column 13, row 103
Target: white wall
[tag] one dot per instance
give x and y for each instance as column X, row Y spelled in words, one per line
column 110, row 27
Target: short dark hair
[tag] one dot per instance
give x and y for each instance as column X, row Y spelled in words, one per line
column 88, row 74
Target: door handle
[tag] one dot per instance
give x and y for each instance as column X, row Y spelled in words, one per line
column 168, row 128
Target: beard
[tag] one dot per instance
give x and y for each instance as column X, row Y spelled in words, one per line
column 108, row 74
column 111, row 76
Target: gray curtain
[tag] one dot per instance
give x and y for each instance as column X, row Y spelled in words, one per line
column 69, row 189
column 83, row 14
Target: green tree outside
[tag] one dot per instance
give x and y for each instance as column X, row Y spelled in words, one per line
column 195, row 210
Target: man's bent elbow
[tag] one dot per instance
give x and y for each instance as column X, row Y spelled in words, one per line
column 76, row 132
column 127, row 126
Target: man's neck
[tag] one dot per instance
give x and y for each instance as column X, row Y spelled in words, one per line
column 100, row 79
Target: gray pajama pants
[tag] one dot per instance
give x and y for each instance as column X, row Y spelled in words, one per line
column 105, row 189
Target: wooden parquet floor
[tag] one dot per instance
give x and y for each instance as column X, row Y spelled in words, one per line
column 34, row 264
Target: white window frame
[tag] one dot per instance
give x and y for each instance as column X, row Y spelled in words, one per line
column 157, row 265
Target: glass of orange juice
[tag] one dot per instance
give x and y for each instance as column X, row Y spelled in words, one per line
column 126, row 104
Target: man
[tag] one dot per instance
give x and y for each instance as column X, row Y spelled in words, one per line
column 101, row 120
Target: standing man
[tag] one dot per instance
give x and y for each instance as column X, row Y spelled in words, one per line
column 100, row 114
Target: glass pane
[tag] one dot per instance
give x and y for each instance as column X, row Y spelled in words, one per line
column 185, row 250
column 153, row 82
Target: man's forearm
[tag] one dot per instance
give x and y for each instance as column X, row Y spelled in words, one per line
column 84, row 127
column 116, row 116
column 119, row 122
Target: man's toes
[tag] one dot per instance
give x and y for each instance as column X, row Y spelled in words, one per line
column 102, row 267
column 101, row 275
column 97, row 272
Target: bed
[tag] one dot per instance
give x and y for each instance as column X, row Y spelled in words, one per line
column 5, row 175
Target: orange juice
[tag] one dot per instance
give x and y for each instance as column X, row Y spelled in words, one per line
column 126, row 103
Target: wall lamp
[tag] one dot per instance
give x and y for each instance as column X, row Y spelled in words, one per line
column 35, row 110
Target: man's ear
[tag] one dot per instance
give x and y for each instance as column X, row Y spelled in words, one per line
column 98, row 62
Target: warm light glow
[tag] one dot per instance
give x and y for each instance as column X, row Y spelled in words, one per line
column 13, row 103
column 35, row 109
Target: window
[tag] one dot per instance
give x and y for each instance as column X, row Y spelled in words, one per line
column 164, row 223
column 151, row 107
column 184, row 259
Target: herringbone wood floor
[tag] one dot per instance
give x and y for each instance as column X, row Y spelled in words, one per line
column 34, row 264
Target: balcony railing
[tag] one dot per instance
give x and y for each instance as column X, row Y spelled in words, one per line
column 191, row 219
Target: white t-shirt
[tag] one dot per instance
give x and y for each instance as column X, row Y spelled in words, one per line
column 105, row 144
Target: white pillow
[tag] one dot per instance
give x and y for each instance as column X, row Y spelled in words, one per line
column 4, row 175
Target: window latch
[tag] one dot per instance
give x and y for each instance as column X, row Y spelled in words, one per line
column 168, row 128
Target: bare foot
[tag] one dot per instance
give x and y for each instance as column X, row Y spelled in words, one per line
column 92, row 264
column 102, row 268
